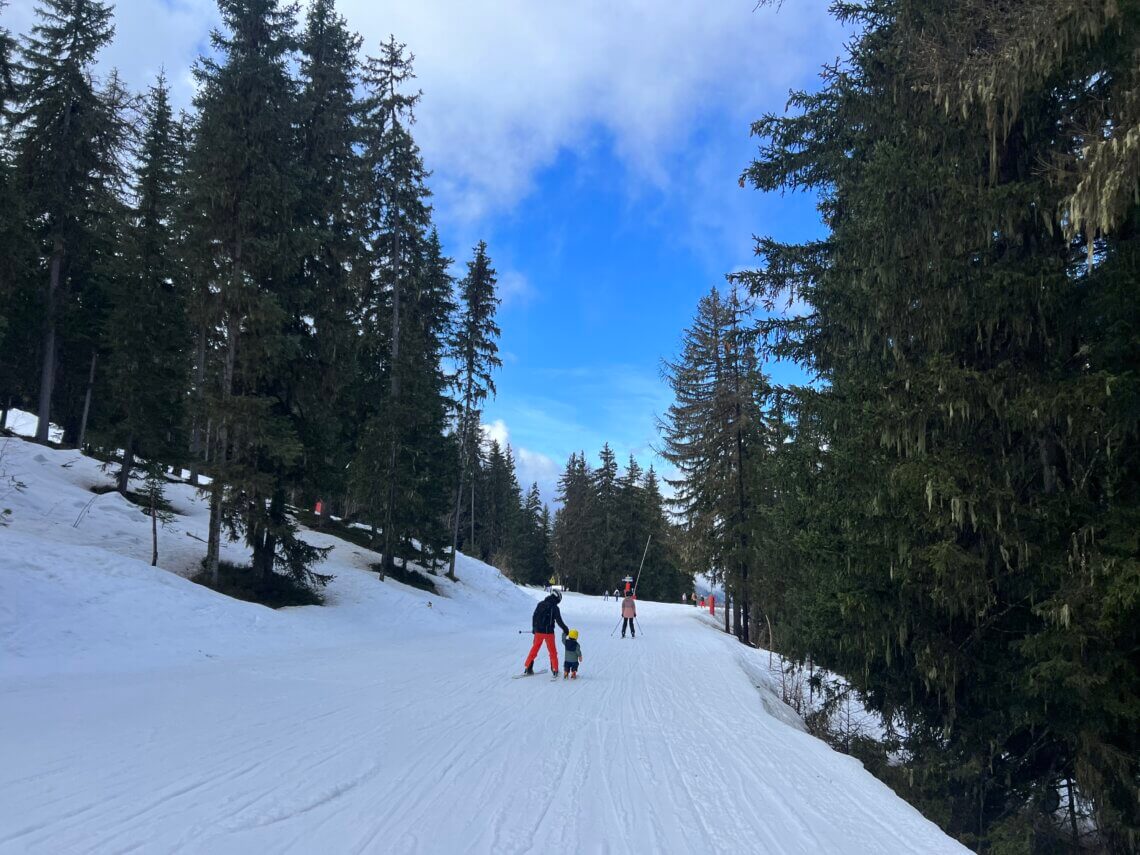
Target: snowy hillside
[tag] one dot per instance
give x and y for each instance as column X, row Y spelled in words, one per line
column 141, row 711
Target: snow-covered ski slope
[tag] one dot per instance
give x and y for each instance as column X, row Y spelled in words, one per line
column 141, row 712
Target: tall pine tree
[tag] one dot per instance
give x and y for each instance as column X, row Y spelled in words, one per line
column 245, row 186
column 475, row 353
column 145, row 336
column 971, row 529
column 68, row 138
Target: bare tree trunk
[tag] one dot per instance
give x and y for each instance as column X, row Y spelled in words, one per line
column 128, row 464
column 87, row 401
column 727, row 610
column 4, row 408
column 214, row 538
column 1073, row 815
column 386, row 561
column 47, row 373
column 153, row 530
column 214, row 543
column 265, row 545
column 196, row 443
column 464, row 458
column 455, row 525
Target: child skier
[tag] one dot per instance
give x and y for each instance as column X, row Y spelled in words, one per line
column 572, row 655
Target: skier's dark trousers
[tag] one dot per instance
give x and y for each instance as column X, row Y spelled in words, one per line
column 546, row 615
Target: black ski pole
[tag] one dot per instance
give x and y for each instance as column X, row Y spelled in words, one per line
column 636, row 621
column 615, row 629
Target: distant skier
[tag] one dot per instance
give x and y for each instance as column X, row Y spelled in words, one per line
column 628, row 614
column 546, row 614
column 605, row 595
column 572, row 655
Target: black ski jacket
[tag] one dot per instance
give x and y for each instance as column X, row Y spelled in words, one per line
column 546, row 614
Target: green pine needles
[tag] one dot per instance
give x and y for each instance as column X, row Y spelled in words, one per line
column 956, row 496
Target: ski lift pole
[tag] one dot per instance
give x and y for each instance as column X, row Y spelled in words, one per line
column 641, row 566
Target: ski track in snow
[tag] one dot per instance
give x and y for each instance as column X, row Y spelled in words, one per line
column 142, row 713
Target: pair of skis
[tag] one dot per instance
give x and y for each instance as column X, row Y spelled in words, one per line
column 553, row 675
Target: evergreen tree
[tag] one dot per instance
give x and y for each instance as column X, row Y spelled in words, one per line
column 398, row 219
column 475, row 353
column 145, row 337
column 662, row 577
column 606, row 523
column 534, row 540
column 331, row 273
column 573, row 542
column 68, row 133
column 502, row 509
column 245, row 185
column 711, row 434
column 7, row 73
column 970, row 519
column 632, row 526
column 98, row 262
column 16, row 308
column 431, row 454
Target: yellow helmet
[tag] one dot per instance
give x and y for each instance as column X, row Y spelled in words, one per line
column 573, row 633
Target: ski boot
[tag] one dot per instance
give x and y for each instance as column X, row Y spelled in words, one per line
column 529, row 670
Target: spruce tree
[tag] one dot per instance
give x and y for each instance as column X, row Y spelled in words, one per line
column 428, row 455
column 573, row 540
column 632, row 527
column 245, row 186
column 534, row 540
column 475, row 353
column 502, row 510
column 330, row 273
column 145, row 336
column 662, row 577
column 18, row 312
column 397, row 221
column 969, row 523
column 67, row 136
column 606, row 522
column 711, row 434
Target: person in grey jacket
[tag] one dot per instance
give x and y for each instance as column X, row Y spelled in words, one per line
column 572, row 655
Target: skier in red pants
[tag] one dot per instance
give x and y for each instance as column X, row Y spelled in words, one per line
column 546, row 614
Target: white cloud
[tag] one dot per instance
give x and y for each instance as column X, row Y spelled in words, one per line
column 150, row 35
column 514, row 288
column 496, row 431
column 510, row 85
column 530, row 466
column 534, row 467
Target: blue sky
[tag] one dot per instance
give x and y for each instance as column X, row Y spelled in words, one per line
column 596, row 147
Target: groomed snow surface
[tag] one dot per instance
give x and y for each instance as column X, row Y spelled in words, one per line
column 141, row 712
